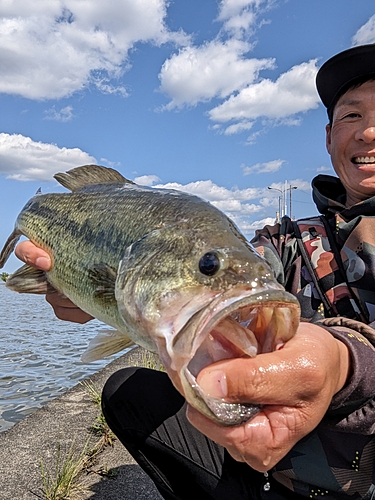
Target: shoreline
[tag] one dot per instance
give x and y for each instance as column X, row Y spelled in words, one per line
column 64, row 424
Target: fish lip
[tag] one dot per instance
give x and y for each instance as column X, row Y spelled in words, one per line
column 221, row 411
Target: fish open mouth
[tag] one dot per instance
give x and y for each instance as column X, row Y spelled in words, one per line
column 234, row 327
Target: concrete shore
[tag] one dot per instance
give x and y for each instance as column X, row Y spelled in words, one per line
column 62, row 425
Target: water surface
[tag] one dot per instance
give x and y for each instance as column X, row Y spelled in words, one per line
column 39, row 354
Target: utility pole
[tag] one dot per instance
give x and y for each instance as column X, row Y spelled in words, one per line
column 280, row 214
column 290, row 199
column 285, row 197
column 283, row 200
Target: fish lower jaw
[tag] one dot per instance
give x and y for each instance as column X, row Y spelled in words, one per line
column 219, row 410
column 243, row 333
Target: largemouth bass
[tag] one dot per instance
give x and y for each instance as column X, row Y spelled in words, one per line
column 165, row 269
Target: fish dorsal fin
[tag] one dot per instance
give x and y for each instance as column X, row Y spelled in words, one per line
column 87, row 175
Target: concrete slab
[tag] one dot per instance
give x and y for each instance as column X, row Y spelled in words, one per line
column 63, row 425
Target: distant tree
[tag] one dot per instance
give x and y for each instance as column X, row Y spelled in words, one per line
column 4, row 276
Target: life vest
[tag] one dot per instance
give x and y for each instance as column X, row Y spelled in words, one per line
column 322, row 259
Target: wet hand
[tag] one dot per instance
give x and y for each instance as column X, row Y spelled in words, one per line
column 295, row 384
column 63, row 308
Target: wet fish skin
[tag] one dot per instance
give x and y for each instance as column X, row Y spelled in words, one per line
column 132, row 257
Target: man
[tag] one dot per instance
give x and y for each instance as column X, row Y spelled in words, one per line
column 314, row 435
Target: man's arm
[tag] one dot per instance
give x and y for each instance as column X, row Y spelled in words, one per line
column 64, row 309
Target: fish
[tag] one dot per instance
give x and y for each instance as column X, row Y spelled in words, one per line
column 164, row 269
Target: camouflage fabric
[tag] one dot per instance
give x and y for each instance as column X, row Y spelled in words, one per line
column 337, row 459
column 353, row 230
column 327, row 268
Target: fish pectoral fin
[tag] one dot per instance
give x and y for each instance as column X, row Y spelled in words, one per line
column 106, row 343
column 9, row 246
column 28, row 280
column 103, row 277
column 88, row 175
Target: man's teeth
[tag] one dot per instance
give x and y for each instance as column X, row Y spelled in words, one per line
column 364, row 159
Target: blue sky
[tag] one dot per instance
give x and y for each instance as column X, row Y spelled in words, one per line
column 215, row 97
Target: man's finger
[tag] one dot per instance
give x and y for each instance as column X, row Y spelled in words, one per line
column 33, row 256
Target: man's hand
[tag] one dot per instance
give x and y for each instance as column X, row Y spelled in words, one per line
column 63, row 308
column 295, row 384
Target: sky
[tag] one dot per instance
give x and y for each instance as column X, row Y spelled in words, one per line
column 213, row 97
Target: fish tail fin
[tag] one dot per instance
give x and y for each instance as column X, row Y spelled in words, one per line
column 106, row 343
column 28, row 280
column 87, row 175
column 9, row 246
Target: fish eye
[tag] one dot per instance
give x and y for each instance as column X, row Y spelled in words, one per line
column 209, row 264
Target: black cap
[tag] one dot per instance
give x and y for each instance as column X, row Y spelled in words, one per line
column 342, row 71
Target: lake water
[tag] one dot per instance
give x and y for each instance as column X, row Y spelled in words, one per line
column 39, row 354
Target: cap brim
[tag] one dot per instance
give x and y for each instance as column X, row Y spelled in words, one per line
column 343, row 69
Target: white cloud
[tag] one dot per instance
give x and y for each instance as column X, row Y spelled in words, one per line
column 239, row 204
column 300, row 184
column 221, row 69
column 293, row 92
column 232, row 207
column 248, row 227
column 366, row 33
column 215, row 69
column 324, row 169
column 262, row 168
column 52, row 48
column 238, row 127
column 102, row 84
column 147, row 180
column 231, row 8
column 214, row 193
column 64, row 115
column 264, row 126
column 241, row 15
column 23, row 159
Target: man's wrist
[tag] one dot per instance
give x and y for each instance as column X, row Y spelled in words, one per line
column 345, row 368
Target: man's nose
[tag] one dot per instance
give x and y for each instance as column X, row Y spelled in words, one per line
column 367, row 134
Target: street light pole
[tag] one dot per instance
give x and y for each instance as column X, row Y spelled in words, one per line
column 283, row 200
column 281, row 204
column 290, row 199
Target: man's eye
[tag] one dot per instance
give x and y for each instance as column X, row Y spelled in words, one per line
column 352, row 115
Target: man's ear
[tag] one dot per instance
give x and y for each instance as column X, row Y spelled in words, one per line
column 328, row 138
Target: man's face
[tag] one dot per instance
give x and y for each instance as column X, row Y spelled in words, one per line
column 351, row 142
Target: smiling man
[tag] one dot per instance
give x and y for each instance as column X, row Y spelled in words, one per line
column 314, row 435
column 350, row 142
